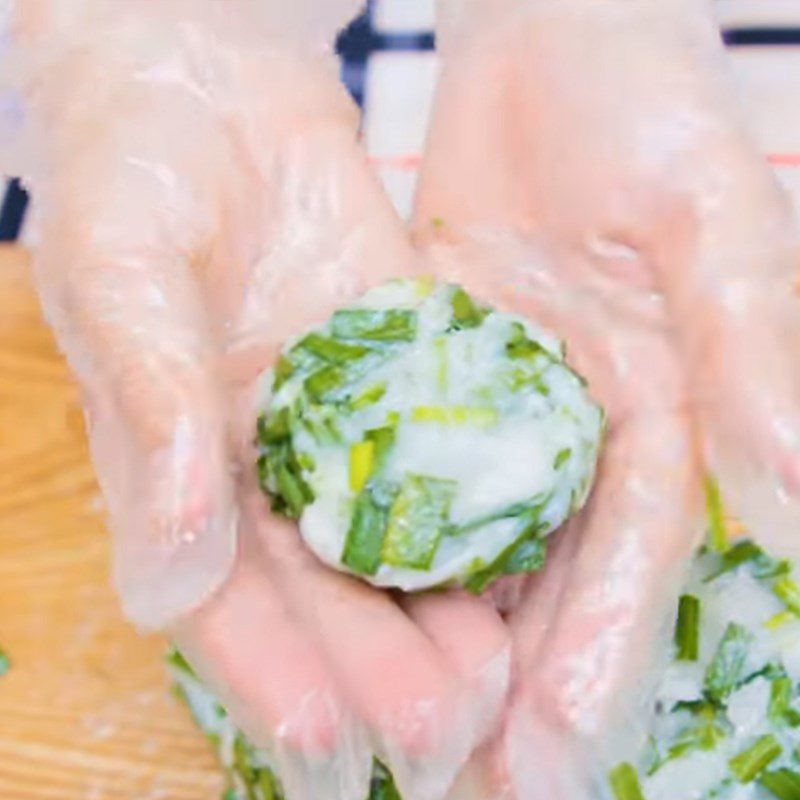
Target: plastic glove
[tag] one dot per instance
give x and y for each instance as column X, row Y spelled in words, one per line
column 592, row 153
column 199, row 197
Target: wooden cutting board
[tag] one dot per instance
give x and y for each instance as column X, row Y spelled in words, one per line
column 85, row 711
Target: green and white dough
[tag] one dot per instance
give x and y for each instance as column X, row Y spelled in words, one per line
column 423, row 440
column 726, row 722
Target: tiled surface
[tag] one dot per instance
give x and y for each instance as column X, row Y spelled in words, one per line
column 391, row 69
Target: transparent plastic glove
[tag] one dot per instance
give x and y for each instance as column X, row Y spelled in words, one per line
column 636, row 146
column 200, row 198
column 593, row 156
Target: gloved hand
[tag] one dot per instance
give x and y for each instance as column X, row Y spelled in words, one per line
column 200, row 196
column 588, row 160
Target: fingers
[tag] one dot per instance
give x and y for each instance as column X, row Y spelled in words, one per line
column 580, row 692
column 474, row 640
column 274, row 682
column 729, row 265
column 122, row 212
column 419, row 715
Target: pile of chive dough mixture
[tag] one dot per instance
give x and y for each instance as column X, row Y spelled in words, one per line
column 726, row 721
column 421, row 439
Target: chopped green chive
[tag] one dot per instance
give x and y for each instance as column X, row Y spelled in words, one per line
column 362, row 461
column 782, row 783
column 392, row 325
column 331, row 350
column 476, row 416
column 788, row 591
column 747, row 765
column 687, row 630
column 368, row 397
column 176, row 660
column 624, row 783
column 528, row 511
column 284, row 370
column 519, row 344
column 466, row 314
column 383, row 439
column 266, row 785
column 781, row 711
column 382, row 786
column 325, row 383
column 294, row 492
column 525, row 554
column 702, row 737
column 780, row 699
column 417, row 521
column 562, row 458
column 726, row 669
column 274, row 428
column 748, row 552
column 717, row 529
column 442, row 365
column 362, row 547
column 779, row 620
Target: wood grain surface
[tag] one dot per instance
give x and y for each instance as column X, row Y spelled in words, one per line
column 85, row 711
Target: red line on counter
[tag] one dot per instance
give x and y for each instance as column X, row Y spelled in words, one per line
column 784, row 159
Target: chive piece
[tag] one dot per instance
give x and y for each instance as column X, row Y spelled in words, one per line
column 5, row 662
column 294, row 492
column 717, row 529
column 442, row 366
column 382, row 786
column 687, row 630
column 748, row 552
column 520, row 345
column 392, row 325
column 368, row 397
column 266, row 785
column 525, row 554
column 274, row 428
column 788, row 591
column 243, row 767
column 466, row 313
column 780, row 710
column 527, row 510
column 562, row 458
column 177, row 660
column 749, row 763
column 625, row 783
column 362, row 461
column 783, row 783
column 230, row 794
column 284, row 370
column 362, row 547
column 703, row 737
column 727, row 666
column 477, row 416
column 323, row 384
column 330, row 350
column 383, row 440
column 780, row 699
column 417, row 520
column 779, row 620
